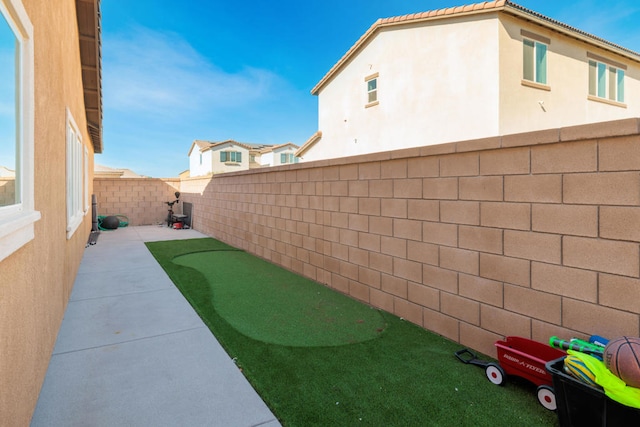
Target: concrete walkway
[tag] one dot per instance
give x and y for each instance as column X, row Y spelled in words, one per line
column 132, row 352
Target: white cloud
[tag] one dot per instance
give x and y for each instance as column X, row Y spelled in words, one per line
column 160, row 74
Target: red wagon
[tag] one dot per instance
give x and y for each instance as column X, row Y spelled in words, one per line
column 520, row 357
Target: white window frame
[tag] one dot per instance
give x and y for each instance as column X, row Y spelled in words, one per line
column 288, row 158
column 537, row 42
column 599, row 64
column 230, row 156
column 77, row 176
column 86, row 180
column 536, row 74
column 372, row 93
column 17, row 220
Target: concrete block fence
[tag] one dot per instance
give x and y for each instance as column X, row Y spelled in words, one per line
column 141, row 200
column 534, row 234
column 7, row 191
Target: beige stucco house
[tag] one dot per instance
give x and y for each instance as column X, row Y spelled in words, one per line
column 207, row 158
column 278, row 155
column 56, row 124
column 102, row 171
column 468, row 72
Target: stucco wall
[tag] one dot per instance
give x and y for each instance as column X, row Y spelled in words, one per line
column 141, row 200
column 458, row 78
column 424, row 81
column 566, row 103
column 36, row 280
column 197, row 168
column 532, row 234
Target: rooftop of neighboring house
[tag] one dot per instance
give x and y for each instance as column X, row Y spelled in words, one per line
column 208, row 145
column 257, row 148
column 5, row 172
column 504, row 6
column 101, row 171
column 271, row 148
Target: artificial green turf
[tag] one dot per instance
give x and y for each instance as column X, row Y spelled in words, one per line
column 264, row 303
column 403, row 376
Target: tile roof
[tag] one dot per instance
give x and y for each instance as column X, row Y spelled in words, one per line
column 471, row 9
column 207, row 145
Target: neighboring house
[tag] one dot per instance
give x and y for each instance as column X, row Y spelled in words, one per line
column 6, row 172
column 101, row 171
column 207, row 158
column 50, row 62
column 277, row 155
column 468, row 72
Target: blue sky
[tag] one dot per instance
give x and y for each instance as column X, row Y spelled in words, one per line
column 175, row 71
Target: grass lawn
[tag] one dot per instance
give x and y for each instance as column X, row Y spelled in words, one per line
column 319, row 358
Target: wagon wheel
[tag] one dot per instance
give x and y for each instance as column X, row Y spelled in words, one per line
column 547, row 397
column 495, row 373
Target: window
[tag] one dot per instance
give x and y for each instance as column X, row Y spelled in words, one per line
column 534, row 61
column 288, row 158
column 200, row 158
column 17, row 214
column 8, row 118
column 372, row 89
column 77, row 177
column 231, row 156
column 606, row 80
column 86, row 180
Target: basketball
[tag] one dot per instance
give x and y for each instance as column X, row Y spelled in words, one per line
column 622, row 358
column 110, row 222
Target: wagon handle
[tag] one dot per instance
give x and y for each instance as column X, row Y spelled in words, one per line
column 466, row 356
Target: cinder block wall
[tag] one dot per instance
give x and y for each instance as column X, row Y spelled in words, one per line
column 7, row 191
column 142, row 200
column 535, row 234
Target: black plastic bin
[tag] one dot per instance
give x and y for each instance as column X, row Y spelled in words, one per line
column 582, row 405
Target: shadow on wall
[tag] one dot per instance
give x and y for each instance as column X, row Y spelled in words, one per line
column 474, row 240
column 142, row 200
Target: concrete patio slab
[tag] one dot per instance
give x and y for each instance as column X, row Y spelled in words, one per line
column 131, row 350
column 110, row 320
column 136, row 279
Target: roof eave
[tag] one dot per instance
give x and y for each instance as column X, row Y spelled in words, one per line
column 539, row 19
column 472, row 9
column 89, row 32
column 313, row 139
column 380, row 24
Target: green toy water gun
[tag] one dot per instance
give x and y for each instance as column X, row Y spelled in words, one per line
column 577, row 345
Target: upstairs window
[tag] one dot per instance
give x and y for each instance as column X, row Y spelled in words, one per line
column 230, row 156
column 372, row 89
column 288, row 158
column 606, row 80
column 534, row 61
